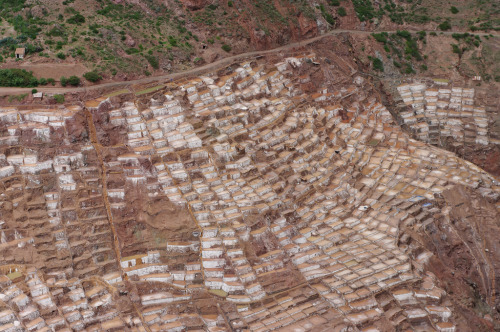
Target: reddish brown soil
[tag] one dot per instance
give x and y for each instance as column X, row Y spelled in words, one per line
column 50, row 70
column 467, row 256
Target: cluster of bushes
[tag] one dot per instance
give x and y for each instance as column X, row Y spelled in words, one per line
column 72, row 80
column 76, row 19
column 468, row 38
column 404, row 46
column 17, row 78
column 378, row 65
column 465, row 42
column 22, row 78
column 326, row 15
column 153, row 61
column 25, row 79
column 92, row 76
column 444, row 26
column 364, row 9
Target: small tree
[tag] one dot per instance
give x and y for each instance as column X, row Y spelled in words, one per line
column 74, row 80
column 64, row 81
column 226, row 48
column 454, row 10
column 445, row 26
column 34, row 91
column 378, row 65
column 76, row 19
column 59, row 99
column 92, row 76
column 61, row 55
column 341, row 11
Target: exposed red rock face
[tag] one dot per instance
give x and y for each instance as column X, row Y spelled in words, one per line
column 307, row 27
column 194, row 4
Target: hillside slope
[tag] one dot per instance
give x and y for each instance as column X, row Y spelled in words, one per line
column 125, row 39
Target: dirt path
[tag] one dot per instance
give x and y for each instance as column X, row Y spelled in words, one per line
column 198, row 70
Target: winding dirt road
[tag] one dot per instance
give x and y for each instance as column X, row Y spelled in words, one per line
column 4, row 91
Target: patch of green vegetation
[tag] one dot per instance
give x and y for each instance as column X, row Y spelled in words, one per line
column 17, row 97
column 454, row 10
column 326, row 15
column 153, row 61
column 172, row 41
column 17, row 78
column 76, row 19
column 269, row 9
column 148, row 90
column 380, row 37
column 364, row 9
column 116, row 93
column 226, row 48
column 404, row 46
column 409, row 69
column 92, row 76
column 341, row 11
column 72, row 80
column 444, row 26
column 59, row 99
column 378, row 65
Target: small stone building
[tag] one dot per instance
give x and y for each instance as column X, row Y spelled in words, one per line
column 20, row 53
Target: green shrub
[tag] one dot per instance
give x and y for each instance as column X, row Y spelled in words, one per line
column 423, row 67
column 329, row 18
column 132, row 50
column 326, row 15
column 64, row 81
column 33, row 91
column 43, row 81
column 76, row 19
column 226, row 48
column 51, row 81
column 341, row 11
column 404, row 33
column 230, row 4
column 454, row 10
column 334, row 3
column 456, row 49
column 378, row 65
column 364, row 9
column 74, row 80
column 61, row 55
column 92, row 76
column 59, row 99
column 445, row 26
column 433, row 33
column 172, row 41
column 153, row 61
column 380, row 37
column 409, row 69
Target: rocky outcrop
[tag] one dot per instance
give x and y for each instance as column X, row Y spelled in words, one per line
column 194, row 4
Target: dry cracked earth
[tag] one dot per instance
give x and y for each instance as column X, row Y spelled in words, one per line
column 275, row 194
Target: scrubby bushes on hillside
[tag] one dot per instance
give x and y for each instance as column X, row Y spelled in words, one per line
column 17, row 78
